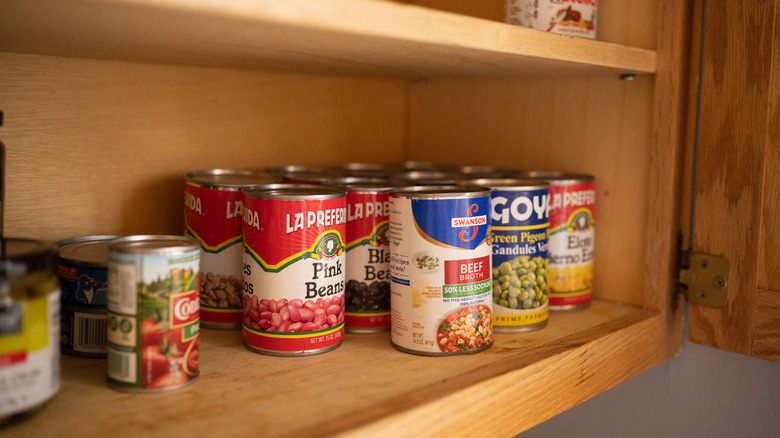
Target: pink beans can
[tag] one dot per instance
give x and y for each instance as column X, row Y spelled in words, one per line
column 294, row 269
column 212, row 214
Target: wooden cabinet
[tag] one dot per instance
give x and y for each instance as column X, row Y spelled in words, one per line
column 108, row 104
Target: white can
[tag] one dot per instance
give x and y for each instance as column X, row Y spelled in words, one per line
column 566, row 17
column 441, row 297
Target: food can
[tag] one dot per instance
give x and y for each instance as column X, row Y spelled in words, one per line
column 82, row 270
column 294, row 174
column 360, row 169
column 572, row 238
column 294, row 269
column 367, row 294
column 520, row 225
column 426, row 178
column 567, row 17
column 441, row 301
column 29, row 327
column 212, row 215
column 153, row 312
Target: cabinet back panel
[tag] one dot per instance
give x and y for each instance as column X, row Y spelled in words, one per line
column 597, row 126
column 97, row 147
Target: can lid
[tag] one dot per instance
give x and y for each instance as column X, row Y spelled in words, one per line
column 296, row 192
column 554, row 176
column 439, row 192
column 88, row 250
column 153, row 244
column 229, row 178
column 19, row 256
column 507, row 183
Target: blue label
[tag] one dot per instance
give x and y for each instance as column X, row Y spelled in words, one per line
column 520, row 222
column 455, row 223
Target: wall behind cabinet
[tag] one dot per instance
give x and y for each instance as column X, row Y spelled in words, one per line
column 102, row 147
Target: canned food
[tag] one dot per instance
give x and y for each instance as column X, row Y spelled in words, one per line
column 82, row 266
column 304, row 174
column 153, row 312
column 566, row 17
column 441, row 300
column 212, row 215
column 29, row 327
column 294, row 269
column 572, row 238
column 520, row 224
column 367, row 292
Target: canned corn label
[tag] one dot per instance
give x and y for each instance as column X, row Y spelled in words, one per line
column 214, row 218
column 520, row 224
column 294, row 273
column 441, row 300
column 566, row 17
column 572, row 233
column 153, row 319
column 367, row 262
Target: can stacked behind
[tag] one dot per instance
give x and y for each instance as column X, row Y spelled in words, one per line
column 212, row 213
column 82, row 271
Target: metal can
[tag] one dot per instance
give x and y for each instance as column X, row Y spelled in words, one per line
column 520, row 225
column 367, row 294
column 567, row 17
column 212, row 215
column 293, row 174
column 572, row 238
column 82, row 266
column 29, row 326
column 153, row 312
column 294, row 269
column 441, row 300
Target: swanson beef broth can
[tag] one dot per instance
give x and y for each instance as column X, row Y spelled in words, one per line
column 520, row 224
column 441, row 300
column 572, row 238
column 153, row 312
column 212, row 215
column 367, row 292
column 82, row 270
column 294, row 269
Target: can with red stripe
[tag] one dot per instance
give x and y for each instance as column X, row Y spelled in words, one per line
column 212, row 215
column 572, row 238
column 294, row 269
column 441, row 299
column 368, row 258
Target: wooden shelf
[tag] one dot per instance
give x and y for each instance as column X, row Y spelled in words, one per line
column 366, row 387
column 340, row 36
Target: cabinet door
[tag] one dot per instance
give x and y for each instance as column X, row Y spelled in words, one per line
column 736, row 194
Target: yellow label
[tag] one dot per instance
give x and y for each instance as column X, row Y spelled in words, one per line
column 34, row 334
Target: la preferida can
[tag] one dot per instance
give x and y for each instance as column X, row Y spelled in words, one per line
column 294, row 269
column 82, row 270
column 567, row 17
column 520, row 224
column 153, row 312
column 213, row 216
column 29, row 326
column 572, row 238
column 367, row 294
column 441, row 301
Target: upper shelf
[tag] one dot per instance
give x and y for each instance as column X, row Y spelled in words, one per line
column 342, row 36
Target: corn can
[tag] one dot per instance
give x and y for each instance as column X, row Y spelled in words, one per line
column 153, row 313
column 294, row 269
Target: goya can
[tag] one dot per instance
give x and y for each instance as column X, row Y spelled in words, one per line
column 212, row 215
column 294, row 269
column 572, row 238
column 520, row 225
column 29, row 326
column 82, row 270
column 367, row 292
column 441, row 301
column 567, row 17
column 153, row 312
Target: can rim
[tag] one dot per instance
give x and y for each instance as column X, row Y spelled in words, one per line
column 559, row 177
column 508, row 183
column 154, row 244
column 296, row 192
column 207, row 178
column 68, row 250
column 444, row 191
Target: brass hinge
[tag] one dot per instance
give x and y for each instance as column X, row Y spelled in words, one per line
column 704, row 279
